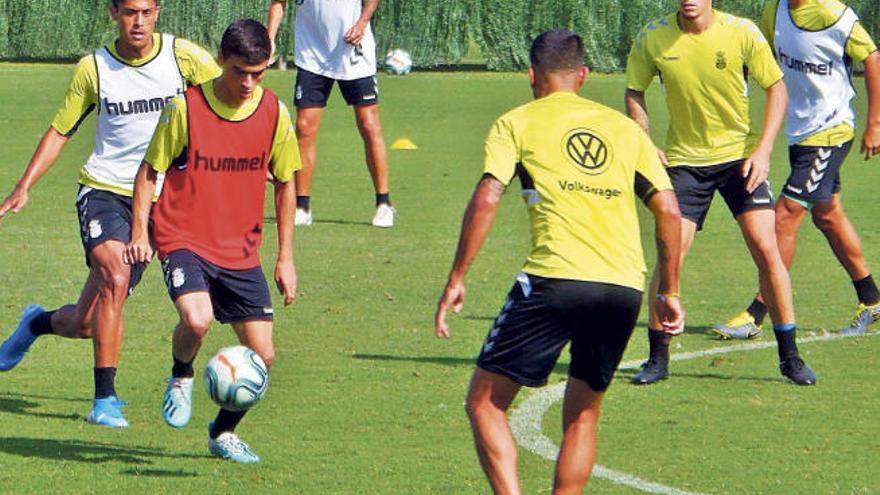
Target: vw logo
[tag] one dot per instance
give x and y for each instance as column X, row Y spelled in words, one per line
column 586, row 150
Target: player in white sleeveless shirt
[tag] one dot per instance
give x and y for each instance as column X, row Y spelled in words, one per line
column 334, row 43
column 128, row 82
column 816, row 43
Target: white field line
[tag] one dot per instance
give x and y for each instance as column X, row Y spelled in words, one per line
column 526, row 419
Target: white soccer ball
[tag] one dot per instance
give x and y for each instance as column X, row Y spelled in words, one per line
column 398, row 62
column 236, row 378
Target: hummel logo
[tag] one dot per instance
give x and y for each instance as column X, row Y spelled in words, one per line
column 824, row 154
column 816, row 175
column 762, row 201
column 670, row 58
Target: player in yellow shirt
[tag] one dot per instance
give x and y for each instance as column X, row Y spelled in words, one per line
column 581, row 166
column 821, row 129
column 128, row 82
column 703, row 58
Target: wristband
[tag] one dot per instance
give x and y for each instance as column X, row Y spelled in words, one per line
column 666, row 297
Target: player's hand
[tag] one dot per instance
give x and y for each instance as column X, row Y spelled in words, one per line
column 871, row 141
column 662, row 155
column 285, row 280
column 15, row 201
column 671, row 313
column 755, row 170
column 138, row 250
column 354, row 35
column 453, row 296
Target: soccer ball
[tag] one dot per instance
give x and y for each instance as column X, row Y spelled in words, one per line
column 398, row 62
column 236, row 378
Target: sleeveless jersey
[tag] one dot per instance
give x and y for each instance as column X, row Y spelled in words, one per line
column 130, row 100
column 212, row 203
column 818, row 74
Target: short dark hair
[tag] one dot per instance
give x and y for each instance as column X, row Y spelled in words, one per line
column 557, row 50
column 248, row 39
column 117, row 2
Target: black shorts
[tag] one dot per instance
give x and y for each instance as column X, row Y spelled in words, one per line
column 105, row 216
column 236, row 295
column 695, row 187
column 313, row 90
column 542, row 314
column 815, row 173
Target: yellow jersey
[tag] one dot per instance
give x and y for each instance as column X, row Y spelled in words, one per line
column 171, row 138
column 581, row 166
column 705, row 78
column 817, row 15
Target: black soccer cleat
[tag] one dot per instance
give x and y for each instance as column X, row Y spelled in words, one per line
column 797, row 371
column 653, row 370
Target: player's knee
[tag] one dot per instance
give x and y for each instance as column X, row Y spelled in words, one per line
column 477, row 406
column 197, row 322
column 115, row 282
column 306, row 128
column 370, row 127
column 825, row 221
column 268, row 356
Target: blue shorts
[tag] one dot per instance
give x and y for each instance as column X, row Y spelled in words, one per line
column 541, row 315
column 236, row 295
column 105, row 216
column 815, row 173
column 695, row 187
column 313, row 90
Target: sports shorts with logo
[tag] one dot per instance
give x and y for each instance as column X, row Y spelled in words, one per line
column 541, row 315
column 695, row 186
column 313, row 90
column 815, row 172
column 236, row 295
column 105, row 216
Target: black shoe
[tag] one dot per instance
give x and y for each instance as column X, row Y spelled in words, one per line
column 797, row 371
column 653, row 370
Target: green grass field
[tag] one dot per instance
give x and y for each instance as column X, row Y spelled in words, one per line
column 363, row 398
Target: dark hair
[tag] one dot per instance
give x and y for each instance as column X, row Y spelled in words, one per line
column 557, row 50
column 248, row 39
column 117, row 2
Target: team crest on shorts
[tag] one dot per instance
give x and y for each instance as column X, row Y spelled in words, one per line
column 178, row 278
column 720, row 60
column 95, row 229
column 298, row 94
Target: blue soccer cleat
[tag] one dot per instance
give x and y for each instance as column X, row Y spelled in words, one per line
column 107, row 412
column 16, row 346
column 228, row 446
column 177, row 403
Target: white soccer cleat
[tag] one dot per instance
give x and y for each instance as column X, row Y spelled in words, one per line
column 384, row 216
column 177, row 403
column 302, row 217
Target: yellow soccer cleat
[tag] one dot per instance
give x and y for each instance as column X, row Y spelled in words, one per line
column 740, row 327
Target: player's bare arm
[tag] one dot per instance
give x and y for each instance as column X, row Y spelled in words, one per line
column 273, row 22
column 756, row 167
column 354, row 35
column 139, row 249
column 44, row 156
column 667, row 231
column 871, row 138
column 285, row 272
column 637, row 109
column 475, row 227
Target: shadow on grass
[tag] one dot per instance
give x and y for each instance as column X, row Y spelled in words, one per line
column 343, row 222
column 21, row 404
column 561, row 368
column 159, row 473
column 82, row 451
column 673, row 375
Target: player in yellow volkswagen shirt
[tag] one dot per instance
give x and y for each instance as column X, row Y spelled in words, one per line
column 128, row 82
column 816, row 43
column 582, row 166
column 703, row 58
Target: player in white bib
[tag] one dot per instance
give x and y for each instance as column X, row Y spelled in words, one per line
column 816, row 42
column 128, row 82
column 334, row 43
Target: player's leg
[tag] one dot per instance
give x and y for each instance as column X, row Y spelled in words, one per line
column 363, row 95
column 186, row 277
column 694, row 189
column 757, row 222
column 831, row 219
column 577, row 456
column 489, row 397
column 601, row 318
column 242, row 299
column 310, row 98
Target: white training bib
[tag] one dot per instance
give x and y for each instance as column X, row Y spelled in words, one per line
column 318, row 35
column 818, row 74
column 130, row 100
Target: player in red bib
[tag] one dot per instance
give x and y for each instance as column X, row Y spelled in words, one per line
column 216, row 145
